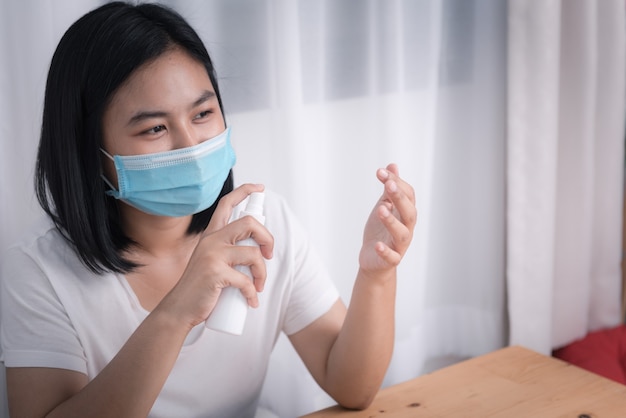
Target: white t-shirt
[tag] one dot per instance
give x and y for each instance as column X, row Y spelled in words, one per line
column 56, row 313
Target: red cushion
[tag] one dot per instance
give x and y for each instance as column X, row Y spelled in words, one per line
column 602, row 352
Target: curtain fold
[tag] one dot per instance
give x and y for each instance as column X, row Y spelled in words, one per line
column 609, row 130
column 565, row 169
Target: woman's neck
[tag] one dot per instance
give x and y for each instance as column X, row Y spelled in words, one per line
column 155, row 236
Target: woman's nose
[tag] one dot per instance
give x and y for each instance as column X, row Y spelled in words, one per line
column 185, row 136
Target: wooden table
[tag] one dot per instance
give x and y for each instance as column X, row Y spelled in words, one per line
column 508, row 383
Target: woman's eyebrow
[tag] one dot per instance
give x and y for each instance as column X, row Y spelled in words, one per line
column 205, row 96
column 149, row 114
column 145, row 114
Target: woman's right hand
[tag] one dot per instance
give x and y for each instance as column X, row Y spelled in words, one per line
column 211, row 266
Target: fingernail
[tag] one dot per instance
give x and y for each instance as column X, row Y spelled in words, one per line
column 393, row 186
column 384, row 173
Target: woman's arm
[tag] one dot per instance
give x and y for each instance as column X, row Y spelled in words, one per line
column 348, row 351
column 127, row 386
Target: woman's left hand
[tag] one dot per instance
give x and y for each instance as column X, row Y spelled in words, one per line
column 389, row 228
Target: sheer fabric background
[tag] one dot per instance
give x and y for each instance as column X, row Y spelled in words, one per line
column 320, row 94
column 565, row 169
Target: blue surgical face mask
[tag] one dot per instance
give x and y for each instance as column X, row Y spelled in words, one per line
column 174, row 183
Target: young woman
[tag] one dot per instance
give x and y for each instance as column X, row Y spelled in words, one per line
column 104, row 302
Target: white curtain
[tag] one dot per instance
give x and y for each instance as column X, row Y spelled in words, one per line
column 320, row 94
column 565, row 130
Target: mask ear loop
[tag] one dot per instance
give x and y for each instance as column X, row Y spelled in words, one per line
column 102, row 174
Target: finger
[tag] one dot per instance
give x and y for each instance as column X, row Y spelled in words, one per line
column 391, row 173
column 403, row 204
column 401, row 235
column 249, row 260
column 227, row 203
column 401, row 195
column 240, row 279
column 248, row 227
column 393, row 167
column 390, row 256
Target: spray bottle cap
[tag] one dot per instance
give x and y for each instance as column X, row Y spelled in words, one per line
column 255, row 203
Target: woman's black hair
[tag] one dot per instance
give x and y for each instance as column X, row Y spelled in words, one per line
column 94, row 57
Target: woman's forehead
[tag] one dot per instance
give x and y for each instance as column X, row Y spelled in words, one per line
column 172, row 80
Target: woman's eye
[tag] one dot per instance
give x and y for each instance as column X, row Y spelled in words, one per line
column 156, row 129
column 203, row 114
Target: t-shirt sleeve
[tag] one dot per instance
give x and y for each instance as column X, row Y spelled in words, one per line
column 313, row 292
column 35, row 330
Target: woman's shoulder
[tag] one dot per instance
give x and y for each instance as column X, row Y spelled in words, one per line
column 40, row 235
column 41, row 243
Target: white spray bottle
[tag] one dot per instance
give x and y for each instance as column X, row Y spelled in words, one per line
column 229, row 314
